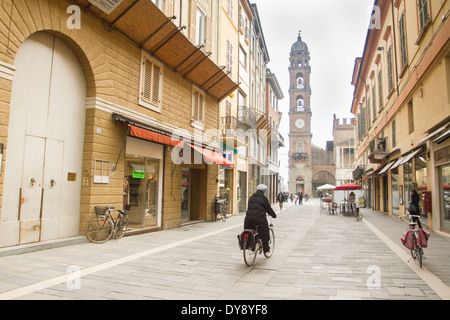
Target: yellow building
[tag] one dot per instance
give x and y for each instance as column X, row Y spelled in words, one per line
column 401, row 102
column 102, row 105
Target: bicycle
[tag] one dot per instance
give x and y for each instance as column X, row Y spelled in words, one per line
column 101, row 228
column 356, row 212
column 414, row 240
column 251, row 244
column 221, row 208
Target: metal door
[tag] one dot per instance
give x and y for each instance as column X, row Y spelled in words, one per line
column 45, row 142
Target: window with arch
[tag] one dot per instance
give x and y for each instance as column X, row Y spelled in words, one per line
column 300, row 106
column 300, row 81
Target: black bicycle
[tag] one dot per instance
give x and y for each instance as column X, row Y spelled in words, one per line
column 251, row 244
column 415, row 239
column 220, row 208
column 103, row 226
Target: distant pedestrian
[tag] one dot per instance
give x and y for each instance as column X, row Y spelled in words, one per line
column 296, row 198
column 280, row 199
column 300, row 198
column 414, row 207
column 292, row 198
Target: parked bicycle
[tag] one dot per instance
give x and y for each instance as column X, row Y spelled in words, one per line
column 356, row 212
column 103, row 226
column 415, row 239
column 220, row 208
column 251, row 244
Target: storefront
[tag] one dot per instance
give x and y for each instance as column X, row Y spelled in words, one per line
column 441, row 200
column 142, row 190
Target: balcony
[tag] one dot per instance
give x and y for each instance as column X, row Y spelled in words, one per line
column 277, row 138
column 358, row 173
column 232, row 127
column 247, row 117
column 300, row 156
column 378, row 150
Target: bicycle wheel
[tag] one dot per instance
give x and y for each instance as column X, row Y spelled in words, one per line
column 99, row 229
column 223, row 213
column 271, row 244
column 418, row 254
column 121, row 227
column 249, row 255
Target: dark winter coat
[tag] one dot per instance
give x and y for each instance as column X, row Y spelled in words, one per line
column 258, row 206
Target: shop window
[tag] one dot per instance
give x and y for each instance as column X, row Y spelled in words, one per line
column 141, row 191
column 421, row 181
column 151, row 84
column 444, row 175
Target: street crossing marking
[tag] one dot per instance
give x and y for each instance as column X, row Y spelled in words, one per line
column 20, row 292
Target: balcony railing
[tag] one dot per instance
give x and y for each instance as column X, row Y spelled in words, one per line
column 247, row 117
column 300, row 156
column 232, row 127
column 277, row 137
column 378, row 150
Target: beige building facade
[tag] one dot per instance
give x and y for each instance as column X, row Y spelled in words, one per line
column 401, row 103
column 102, row 106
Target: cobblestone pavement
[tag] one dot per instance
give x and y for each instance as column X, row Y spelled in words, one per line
column 317, row 256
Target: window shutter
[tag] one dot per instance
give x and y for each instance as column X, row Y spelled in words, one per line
column 147, row 81
column 151, row 82
column 156, row 84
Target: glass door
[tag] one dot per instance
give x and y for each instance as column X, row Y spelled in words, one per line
column 141, row 191
column 185, row 188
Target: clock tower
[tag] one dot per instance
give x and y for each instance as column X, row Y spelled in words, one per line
column 300, row 152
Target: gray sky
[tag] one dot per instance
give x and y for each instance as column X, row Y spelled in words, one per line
column 335, row 32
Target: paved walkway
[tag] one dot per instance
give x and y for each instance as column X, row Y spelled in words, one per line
column 317, row 256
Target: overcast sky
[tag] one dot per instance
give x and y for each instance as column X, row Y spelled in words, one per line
column 335, row 32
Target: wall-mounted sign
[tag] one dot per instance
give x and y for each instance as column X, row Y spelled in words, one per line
column 107, row 6
column 137, row 174
column 101, row 171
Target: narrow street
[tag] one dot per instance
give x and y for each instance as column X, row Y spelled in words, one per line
column 317, row 256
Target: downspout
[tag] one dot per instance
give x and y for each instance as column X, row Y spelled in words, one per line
column 395, row 45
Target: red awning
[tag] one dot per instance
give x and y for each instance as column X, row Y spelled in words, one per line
column 213, row 156
column 349, row 186
column 153, row 136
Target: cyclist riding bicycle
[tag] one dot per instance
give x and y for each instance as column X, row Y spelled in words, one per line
column 258, row 206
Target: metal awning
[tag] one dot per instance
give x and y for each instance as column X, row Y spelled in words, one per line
column 386, row 168
column 146, row 25
column 434, row 134
column 397, row 164
column 410, row 156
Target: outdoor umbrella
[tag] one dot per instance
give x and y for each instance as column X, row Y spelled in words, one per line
column 326, row 187
column 349, row 186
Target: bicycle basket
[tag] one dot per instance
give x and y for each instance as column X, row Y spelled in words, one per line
column 100, row 210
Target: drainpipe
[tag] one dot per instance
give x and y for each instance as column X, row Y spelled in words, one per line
column 395, row 45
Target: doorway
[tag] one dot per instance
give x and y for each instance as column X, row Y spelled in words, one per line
column 43, row 167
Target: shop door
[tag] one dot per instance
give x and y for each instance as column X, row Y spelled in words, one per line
column 45, row 140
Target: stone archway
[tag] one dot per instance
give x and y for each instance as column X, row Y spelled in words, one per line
column 43, row 167
column 321, row 178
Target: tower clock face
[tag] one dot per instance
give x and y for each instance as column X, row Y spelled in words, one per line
column 300, row 123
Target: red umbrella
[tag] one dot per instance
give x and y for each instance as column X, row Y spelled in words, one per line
column 349, row 186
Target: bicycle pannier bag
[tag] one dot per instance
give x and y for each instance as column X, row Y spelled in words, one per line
column 244, row 236
column 423, row 236
column 408, row 240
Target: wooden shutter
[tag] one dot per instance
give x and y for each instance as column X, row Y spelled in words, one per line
column 151, row 82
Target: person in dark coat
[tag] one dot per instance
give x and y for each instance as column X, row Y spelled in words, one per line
column 280, row 199
column 414, row 207
column 258, row 206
